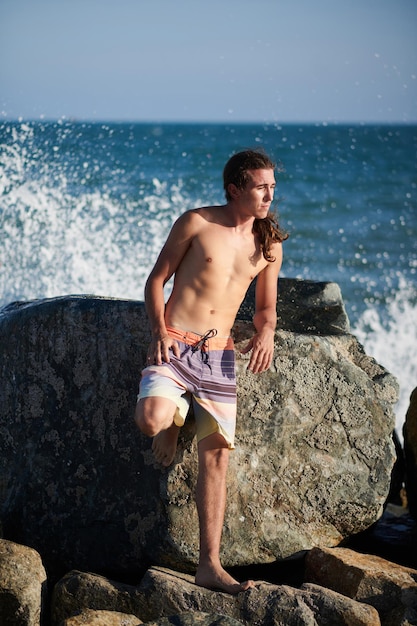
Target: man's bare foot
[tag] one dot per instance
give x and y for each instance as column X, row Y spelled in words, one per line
column 164, row 445
column 218, row 579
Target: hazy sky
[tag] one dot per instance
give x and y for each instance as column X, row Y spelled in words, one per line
column 211, row 60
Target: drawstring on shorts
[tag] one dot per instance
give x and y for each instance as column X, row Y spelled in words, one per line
column 202, row 346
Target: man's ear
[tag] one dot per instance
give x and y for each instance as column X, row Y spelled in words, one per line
column 234, row 192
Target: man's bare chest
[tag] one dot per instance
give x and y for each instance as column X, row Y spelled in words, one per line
column 229, row 254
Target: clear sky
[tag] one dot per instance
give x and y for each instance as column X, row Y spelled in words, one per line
column 209, row 60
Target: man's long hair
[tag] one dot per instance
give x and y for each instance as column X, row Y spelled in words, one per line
column 236, row 172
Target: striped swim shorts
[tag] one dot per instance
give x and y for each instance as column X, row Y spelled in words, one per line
column 203, row 377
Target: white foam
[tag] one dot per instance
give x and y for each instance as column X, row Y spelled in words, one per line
column 392, row 341
column 54, row 243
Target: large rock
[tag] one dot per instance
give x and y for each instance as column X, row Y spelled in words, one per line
column 78, row 481
column 22, row 585
column 390, row 588
column 163, row 593
column 102, row 618
column 196, row 619
column 304, row 306
column 113, row 618
column 410, row 453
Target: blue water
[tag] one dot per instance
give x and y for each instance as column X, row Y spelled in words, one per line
column 85, row 208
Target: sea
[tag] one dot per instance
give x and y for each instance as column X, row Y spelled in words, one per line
column 85, row 208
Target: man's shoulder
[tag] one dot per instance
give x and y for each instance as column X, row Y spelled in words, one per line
column 193, row 221
column 208, row 211
column 190, row 216
column 199, row 212
column 201, row 215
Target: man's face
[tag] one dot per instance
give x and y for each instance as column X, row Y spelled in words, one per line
column 258, row 193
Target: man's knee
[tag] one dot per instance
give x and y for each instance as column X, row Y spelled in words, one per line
column 145, row 419
column 152, row 416
column 214, row 452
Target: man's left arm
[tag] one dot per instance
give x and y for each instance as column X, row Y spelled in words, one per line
column 265, row 318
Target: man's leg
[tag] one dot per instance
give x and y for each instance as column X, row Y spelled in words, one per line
column 155, row 418
column 213, row 456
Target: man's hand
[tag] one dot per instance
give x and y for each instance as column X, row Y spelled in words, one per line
column 262, row 346
column 158, row 351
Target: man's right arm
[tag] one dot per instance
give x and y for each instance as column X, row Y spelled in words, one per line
column 165, row 267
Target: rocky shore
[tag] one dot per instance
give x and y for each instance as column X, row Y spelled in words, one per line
column 94, row 532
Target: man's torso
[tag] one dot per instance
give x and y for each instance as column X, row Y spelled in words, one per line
column 214, row 275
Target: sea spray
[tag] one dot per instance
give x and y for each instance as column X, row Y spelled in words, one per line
column 55, row 241
column 390, row 336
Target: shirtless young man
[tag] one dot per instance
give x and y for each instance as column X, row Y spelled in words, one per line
column 214, row 254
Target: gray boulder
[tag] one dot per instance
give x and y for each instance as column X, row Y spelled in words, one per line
column 22, row 585
column 163, row 594
column 388, row 587
column 304, row 306
column 79, row 483
column 114, row 618
column 196, row 619
column 101, row 618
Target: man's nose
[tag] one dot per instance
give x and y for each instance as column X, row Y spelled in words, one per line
column 269, row 195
